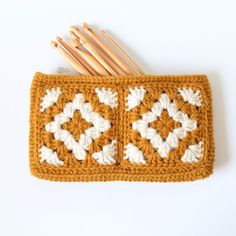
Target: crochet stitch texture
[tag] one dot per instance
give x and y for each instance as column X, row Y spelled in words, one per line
column 128, row 128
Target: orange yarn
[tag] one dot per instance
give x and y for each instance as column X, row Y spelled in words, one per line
column 156, row 169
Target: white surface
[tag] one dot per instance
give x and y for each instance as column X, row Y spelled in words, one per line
column 177, row 37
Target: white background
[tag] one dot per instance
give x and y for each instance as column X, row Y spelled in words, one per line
column 164, row 37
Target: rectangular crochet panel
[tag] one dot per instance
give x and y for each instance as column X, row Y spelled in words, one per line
column 130, row 128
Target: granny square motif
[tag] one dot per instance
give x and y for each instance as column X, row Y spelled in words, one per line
column 129, row 128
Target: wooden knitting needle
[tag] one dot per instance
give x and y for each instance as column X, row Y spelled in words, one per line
column 89, row 47
column 78, row 67
column 108, row 37
column 89, row 58
column 111, row 53
column 76, row 56
column 106, row 58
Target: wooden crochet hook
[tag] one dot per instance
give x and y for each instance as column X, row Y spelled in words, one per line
column 91, row 49
column 113, row 42
column 88, row 58
column 106, row 58
column 76, row 56
column 78, row 67
column 109, row 52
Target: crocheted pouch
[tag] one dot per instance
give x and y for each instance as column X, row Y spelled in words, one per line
column 130, row 128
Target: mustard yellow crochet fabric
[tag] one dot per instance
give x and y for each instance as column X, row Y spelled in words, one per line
column 129, row 128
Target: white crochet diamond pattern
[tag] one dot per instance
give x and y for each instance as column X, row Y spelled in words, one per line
column 80, row 147
column 162, row 146
column 99, row 125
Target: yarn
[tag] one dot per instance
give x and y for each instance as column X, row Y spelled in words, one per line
column 50, row 156
column 134, row 154
column 106, row 156
column 130, row 128
column 99, row 125
column 193, row 153
column 50, row 98
column 107, row 97
column 190, row 96
column 135, row 97
column 164, row 146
